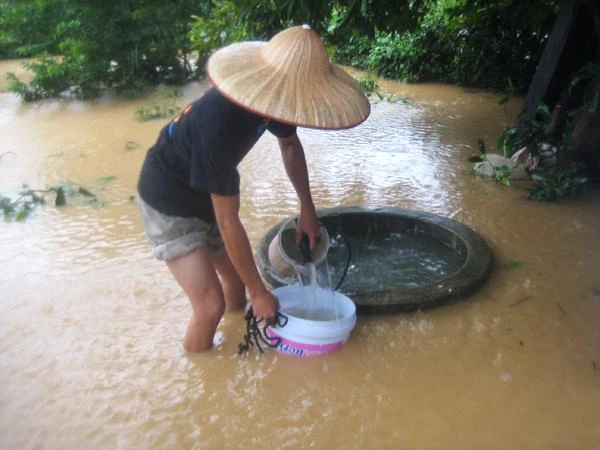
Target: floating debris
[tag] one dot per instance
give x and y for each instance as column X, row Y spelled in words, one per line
column 521, row 300
column 562, row 310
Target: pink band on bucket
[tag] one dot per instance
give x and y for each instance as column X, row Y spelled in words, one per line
column 302, row 349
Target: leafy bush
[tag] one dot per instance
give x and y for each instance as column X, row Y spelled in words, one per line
column 526, row 132
column 496, row 45
column 564, row 176
column 52, row 76
column 126, row 45
column 27, row 26
column 368, row 85
column 111, row 45
column 493, row 44
column 550, row 186
column 50, row 80
column 215, row 28
column 393, row 55
column 354, row 51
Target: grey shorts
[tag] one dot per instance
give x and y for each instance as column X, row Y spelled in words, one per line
column 172, row 237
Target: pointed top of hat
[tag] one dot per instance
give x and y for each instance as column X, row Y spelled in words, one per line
column 289, row 79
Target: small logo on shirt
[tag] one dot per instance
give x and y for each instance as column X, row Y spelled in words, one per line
column 262, row 127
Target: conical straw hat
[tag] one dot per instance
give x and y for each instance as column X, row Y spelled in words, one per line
column 289, row 79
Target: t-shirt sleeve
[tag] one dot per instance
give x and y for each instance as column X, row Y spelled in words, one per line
column 281, row 130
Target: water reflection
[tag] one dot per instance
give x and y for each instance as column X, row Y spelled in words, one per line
column 400, row 260
column 91, row 325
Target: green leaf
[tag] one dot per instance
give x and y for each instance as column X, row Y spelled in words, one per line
column 61, row 200
column 6, row 205
column 513, row 264
column 37, row 199
column 107, row 179
column 504, row 181
column 22, row 213
column 131, row 145
column 83, row 191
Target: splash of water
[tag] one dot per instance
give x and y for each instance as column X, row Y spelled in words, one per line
column 318, row 306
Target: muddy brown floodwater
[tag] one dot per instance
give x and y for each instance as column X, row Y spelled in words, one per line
column 91, row 326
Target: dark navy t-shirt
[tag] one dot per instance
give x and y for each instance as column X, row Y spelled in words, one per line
column 197, row 154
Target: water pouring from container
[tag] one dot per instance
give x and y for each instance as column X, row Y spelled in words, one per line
column 289, row 257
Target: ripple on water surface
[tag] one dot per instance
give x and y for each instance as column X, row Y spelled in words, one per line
column 91, row 325
column 392, row 261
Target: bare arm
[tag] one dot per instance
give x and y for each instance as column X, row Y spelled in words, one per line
column 294, row 161
column 238, row 248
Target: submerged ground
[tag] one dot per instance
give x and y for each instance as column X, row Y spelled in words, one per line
column 91, row 325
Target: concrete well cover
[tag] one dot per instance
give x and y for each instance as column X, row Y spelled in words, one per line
column 474, row 269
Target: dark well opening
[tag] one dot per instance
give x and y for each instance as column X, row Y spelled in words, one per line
column 401, row 259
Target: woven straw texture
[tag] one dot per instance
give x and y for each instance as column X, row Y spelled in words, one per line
column 289, row 79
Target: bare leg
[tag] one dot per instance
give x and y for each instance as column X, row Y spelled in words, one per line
column 233, row 287
column 196, row 275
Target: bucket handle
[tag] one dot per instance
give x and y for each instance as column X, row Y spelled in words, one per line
column 255, row 335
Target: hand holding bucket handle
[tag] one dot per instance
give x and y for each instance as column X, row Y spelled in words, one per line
column 265, row 306
column 291, row 247
column 305, row 248
column 307, row 225
column 313, row 248
column 255, row 335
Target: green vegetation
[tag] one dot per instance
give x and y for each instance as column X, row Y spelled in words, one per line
column 513, row 264
column 500, row 174
column 552, row 185
column 218, row 26
column 114, row 44
column 160, row 105
column 107, row 179
column 472, row 43
column 18, row 209
column 131, row 145
column 561, row 147
column 368, row 85
column 554, row 170
column 83, row 47
column 526, row 132
column 86, row 46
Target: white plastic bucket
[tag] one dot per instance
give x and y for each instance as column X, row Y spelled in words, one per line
column 303, row 337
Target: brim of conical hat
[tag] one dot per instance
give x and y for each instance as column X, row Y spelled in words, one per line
column 329, row 100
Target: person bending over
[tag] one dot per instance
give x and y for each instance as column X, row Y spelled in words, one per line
column 189, row 185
